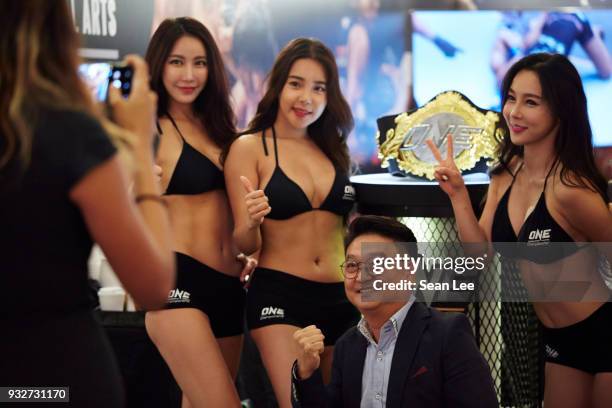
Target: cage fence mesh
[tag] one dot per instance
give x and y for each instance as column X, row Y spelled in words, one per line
column 508, row 333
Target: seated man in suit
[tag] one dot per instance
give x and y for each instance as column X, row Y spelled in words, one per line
column 401, row 354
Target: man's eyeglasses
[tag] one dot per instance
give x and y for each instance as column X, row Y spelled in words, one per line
column 350, row 269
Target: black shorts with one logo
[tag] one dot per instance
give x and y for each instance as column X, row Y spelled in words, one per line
column 276, row 297
column 586, row 345
column 221, row 297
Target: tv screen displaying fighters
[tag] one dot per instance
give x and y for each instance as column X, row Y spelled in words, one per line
column 470, row 51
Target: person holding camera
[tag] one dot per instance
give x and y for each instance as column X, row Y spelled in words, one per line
column 62, row 186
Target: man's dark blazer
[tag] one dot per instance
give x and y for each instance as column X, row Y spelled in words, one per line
column 436, row 363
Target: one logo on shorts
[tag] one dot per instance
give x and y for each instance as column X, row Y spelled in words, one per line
column 349, row 193
column 551, row 352
column 179, row 296
column 271, row 312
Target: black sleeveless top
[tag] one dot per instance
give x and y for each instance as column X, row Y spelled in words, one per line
column 287, row 198
column 535, row 240
column 194, row 172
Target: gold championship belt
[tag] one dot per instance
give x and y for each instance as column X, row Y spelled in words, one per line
column 401, row 138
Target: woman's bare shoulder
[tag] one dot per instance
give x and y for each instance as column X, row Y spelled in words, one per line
column 249, row 144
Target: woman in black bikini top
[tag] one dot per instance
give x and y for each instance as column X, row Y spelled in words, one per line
column 545, row 193
column 287, row 179
column 200, row 332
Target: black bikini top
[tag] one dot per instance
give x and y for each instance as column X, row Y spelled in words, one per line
column 194, row 172
column 287, row 198
column 537, row 234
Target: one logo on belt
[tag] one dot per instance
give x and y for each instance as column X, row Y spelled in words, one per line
column 538, row 236
column 179, row 296
column 402, row 138
column 349, row 193
column 271, row 312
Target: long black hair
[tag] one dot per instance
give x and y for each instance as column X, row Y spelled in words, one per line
column 562, row 90
column 212, row 105
column 330, row 131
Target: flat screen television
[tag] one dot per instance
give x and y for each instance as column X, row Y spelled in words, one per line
column 468, row 50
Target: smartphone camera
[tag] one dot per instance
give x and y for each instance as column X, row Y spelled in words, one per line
column 100, row 75
column 121, row 78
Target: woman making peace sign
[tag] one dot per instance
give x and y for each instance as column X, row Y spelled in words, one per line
column 546, row 180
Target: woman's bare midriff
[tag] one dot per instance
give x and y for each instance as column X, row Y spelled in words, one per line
column 202, row 228
column 579, row 289
column 555, row 315
column 309, row 245
column 570, row 303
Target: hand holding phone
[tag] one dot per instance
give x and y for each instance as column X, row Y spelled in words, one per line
column 136, row 112
column 120, row 77
column 99, row 75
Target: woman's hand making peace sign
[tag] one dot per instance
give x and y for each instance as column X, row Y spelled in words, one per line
column 446, row 172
